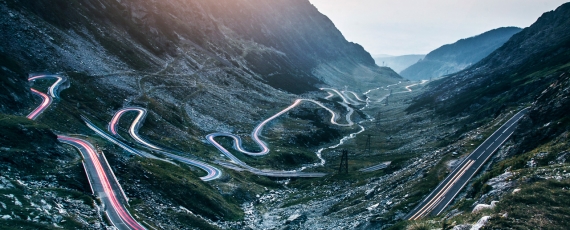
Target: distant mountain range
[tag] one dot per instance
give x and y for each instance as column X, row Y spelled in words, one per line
column 452, row 58
column 518, row 72
column 397, row 63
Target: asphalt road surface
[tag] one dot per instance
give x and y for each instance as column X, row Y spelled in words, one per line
column 46, row 99
column 104, row 185
column 446, row 191
column 213, row 172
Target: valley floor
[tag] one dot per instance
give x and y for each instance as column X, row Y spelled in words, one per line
column 413, row 152
column 421, row 148
column 366, row 199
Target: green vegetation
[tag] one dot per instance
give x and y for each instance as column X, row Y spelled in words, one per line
column 19, row 132
column 28, row 146
column 540, row 205
column 324, row 132
column 30, row 149
column 192, row 220
column 177, row 184
column 24, row 224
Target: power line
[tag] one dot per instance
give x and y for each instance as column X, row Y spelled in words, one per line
column 343, row 162
column 367, row 145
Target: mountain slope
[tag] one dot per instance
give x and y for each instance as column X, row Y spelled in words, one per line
column 399, row 63
column 281, row 41
column 454, row 57
column 15, row 97
column 297, row 29
column 528, row 176
column 515, row 73
column 197, row 66
column 231, row 48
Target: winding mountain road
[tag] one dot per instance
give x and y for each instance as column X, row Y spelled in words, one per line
column 257, row 130
column 46, row 101
column 408, row 86
column 53, row 92
column 341, row 95
column 135, row 125
column 54, row 88
column 105, row 186
column 212, row 172
column 448, row 189
column 114, row 140
column 237, row 142
column 241, row 164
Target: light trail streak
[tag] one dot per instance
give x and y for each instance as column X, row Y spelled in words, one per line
column 212, row 172
column 439, row 196
column 257, row 130
column 134, row 126
column 90, row 154
column 46, row 101
column 52, row 91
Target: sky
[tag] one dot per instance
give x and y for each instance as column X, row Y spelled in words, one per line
column 398, row 27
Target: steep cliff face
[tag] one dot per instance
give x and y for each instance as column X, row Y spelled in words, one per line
column 452, row 58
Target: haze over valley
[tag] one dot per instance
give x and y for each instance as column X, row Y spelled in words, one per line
column 256, row 114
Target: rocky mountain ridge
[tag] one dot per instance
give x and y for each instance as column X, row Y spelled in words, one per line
column 285, row 43
column 253, row 46
column 451, row 58
column 518, row 71
column 197, row 66
column 399, row 63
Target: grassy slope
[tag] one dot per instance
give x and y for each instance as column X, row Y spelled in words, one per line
column 30, row 150
column 540, row 203
column 537, row 204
